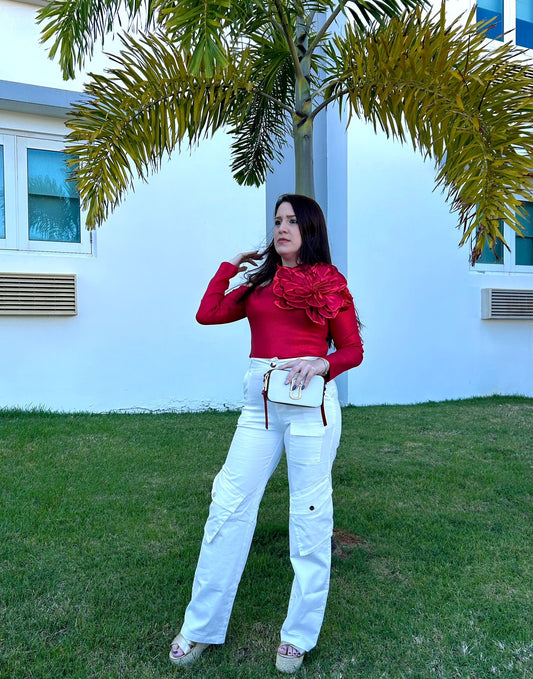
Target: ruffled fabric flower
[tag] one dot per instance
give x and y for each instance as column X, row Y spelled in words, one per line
column 319, row 289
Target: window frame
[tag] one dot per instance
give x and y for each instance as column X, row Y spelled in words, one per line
column 509, row 257
column 16, row 145
column 3, row 174
column 516, row 27
column 10, row 183
column 509, row 23
column 494, row 33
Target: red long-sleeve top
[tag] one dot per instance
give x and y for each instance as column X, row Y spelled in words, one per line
column 284, row 331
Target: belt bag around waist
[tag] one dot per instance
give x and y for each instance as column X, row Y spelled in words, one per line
column 276, row 391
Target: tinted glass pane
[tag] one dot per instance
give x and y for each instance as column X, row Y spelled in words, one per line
column 494, row 256
column 492, row 10
column 524, row 23
column 524, row 251
column 524, row 33
column 524, row 246
column 2, row 199
column 524, row 10
column 53, row 203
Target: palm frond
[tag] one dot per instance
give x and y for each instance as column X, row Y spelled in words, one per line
column 271, row 65
column 74, row 27
column 200, row 27
column 139, row 112
column 365, row 12
column 467, row 106
column 264, row 126
column 259, row 140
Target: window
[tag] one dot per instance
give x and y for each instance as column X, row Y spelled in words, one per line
column 2, row 199
column 53, row 202
column 39, row 203
column 520, row 256
column 524, row 245
column 510, row 18
column 492, row 10
column 524, row 23
column 494, row 256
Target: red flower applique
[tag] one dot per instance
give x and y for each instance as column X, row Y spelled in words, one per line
column 319, row 289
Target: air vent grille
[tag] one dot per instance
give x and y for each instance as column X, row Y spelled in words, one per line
column 37, row 294
column 506, row 304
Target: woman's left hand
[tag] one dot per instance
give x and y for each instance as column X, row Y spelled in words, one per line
column 303, row 370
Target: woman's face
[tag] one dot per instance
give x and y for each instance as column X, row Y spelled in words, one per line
column 287, row 237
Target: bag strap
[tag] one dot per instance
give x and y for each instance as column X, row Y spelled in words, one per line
column 266, row 408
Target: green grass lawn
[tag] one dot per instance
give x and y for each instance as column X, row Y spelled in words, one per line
column 101, row 518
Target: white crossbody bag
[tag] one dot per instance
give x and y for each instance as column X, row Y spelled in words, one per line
column 276, row 391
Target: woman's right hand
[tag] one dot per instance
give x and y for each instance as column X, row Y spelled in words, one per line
column 245, row 258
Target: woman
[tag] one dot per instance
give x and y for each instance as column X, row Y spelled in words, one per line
column 297, row 305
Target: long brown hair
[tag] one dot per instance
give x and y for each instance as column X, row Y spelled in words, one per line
column 314, row 234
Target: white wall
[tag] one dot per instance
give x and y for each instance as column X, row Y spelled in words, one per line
column 23, row 59
column 135, row 342
column 416, row 292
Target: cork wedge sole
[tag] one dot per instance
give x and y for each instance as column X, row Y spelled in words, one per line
column 289, row 664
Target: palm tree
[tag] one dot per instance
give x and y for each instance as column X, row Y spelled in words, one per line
column 264, row 70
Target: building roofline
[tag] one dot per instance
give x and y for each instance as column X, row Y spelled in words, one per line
column 25, row 98
column 39, row 3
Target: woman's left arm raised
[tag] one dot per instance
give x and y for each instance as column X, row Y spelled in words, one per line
column 218, row 306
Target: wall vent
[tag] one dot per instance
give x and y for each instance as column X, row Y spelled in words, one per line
column 517, row 304
column 24, row 294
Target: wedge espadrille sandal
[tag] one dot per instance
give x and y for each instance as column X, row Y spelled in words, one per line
column 289, row 658
column 191, row 650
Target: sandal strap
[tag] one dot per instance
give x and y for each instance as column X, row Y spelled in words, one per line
column 185, row 645
column 292, row 651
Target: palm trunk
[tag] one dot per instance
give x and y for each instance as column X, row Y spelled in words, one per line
column 303, row 155
column 302, row 122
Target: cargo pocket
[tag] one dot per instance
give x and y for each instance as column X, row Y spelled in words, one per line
column 226, row 500
column 311, row 513
column 305, row 441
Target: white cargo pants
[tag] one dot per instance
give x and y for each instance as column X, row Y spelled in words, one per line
column 237, row 491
